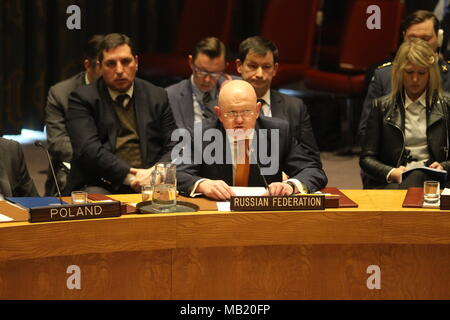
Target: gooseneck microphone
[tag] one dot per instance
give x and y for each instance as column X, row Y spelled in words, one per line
column 260, row 172
column 40, row 145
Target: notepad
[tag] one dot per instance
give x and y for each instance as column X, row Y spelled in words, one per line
column 34, row 202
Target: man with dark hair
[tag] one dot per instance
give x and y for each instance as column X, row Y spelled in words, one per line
column 15, row 181
column 258, row 63
column 420, row 24
column 119, row 126
column 58, row 139
column 193, row 99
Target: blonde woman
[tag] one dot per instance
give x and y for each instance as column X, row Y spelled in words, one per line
column 408, row 127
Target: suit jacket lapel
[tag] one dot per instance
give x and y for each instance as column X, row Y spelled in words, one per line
column 109, row 119
column 142, row 117
column 185, row 105
column 276, row 104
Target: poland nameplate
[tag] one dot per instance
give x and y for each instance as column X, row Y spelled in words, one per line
column 278, row 203
column 75, row 212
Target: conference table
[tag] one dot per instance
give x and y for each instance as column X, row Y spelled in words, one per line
column 378, row 250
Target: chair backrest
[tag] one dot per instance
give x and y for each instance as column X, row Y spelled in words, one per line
column 203, row 18
column 360, row 46
column 291, row 25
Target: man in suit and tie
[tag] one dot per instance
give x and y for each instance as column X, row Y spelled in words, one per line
column 193, row 99
column 59, row 145
column 119, row 126
column 15, row 181
column 257, row 63
column 242, row 137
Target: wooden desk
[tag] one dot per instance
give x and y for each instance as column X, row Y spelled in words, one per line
column 254, row 255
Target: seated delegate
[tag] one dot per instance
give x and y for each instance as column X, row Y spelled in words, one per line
column 410, row 126
column 240, row 136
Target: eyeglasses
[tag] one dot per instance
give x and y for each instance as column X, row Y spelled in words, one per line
column 242, row 113
column 204, row 73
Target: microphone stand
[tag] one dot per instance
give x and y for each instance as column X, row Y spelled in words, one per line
column 40, row 145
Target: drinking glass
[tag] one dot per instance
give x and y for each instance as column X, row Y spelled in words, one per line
column 164, row 181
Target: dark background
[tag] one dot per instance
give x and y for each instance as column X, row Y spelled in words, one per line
column 37, row 50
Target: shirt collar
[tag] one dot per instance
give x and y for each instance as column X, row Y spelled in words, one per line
column 199, row 94
column 422, row 100
column 114, row 94
column 86, row 79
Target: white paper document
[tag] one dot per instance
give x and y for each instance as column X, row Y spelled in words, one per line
column 4, row 218
column 249, row 191
column 223, row 206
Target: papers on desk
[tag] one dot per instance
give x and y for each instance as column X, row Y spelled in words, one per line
column 249, row 191
column 243, row 192
column 4, row 218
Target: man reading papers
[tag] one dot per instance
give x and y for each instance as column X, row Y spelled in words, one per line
column 240, row 147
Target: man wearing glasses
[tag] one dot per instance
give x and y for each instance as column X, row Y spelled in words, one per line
column 257, row 63
column 244, row 138
column 193, row 99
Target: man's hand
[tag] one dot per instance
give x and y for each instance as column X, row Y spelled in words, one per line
column 436, row 165
column 141, row 177
column 396, row 175
column 215, row 189
column 279, row 189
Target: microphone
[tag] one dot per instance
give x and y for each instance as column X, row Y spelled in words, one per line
column 260, row 172
column 40, row 145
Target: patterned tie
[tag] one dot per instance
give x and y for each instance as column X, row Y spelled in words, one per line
column 206, row 108
column 120, row 99
column 242, row 163
column 264, row 111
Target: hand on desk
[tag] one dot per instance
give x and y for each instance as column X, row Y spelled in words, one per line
column 141, row 177
column 215, row 189
column 279, row 189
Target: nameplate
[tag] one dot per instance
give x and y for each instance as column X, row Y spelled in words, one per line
column 75, row 212
column 444, row 202
column 278, row 203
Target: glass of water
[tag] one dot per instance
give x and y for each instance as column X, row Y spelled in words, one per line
column 431, row 192
column 79, row 197
column 147, row 191
column 164, row 181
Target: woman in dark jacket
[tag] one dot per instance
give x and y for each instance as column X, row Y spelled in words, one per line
column 409, row 127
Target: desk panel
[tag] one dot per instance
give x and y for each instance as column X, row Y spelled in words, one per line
column 235, row 255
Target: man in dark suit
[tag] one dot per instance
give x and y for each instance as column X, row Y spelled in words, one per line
column 242, row 137
column 193, row 99
column 258, row 63
column 15, row 181
column 59, row 145
column 420, row 24
column 119, row 126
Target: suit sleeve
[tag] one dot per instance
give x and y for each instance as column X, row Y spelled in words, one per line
column 299, row 165
column 57, row 136
column 371, row 147
column 24, row 185
column 87, row 147
column 374, row 91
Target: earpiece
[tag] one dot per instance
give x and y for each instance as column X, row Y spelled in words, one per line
column 440, row 37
